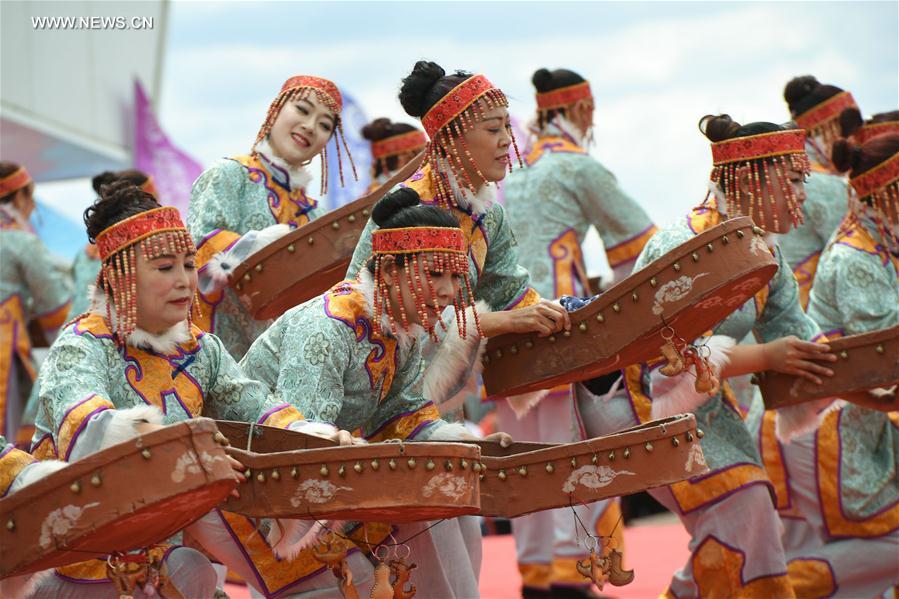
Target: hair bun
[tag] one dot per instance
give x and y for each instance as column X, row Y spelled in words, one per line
column 542, row 80
column 393, row 203
column 117, row 200
column 104, row 178
column 718, row 127
column 799, row 87
column 845, row 155
column 377, row 129
column 850, row 120
column 416, row 85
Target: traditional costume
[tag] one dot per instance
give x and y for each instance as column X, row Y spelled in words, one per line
column 826, row 192
column 241, row 204
column 104, row 375
column 837, row 488
column 551, row 204
column 32, row 288
column 727, row 557
column 348, row 360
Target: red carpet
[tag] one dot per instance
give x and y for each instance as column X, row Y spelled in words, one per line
column 653, row 551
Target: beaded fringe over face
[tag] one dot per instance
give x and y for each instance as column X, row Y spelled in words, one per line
column 302, row 87
column 14, row 181
column 822, row 121
column 562, row 98
column 446, row 123
column 159, row 232
column 877, row 190
column 445, row 246
column 409, row 143
column 782, row 149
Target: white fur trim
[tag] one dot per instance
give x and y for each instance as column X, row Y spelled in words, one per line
column 35, row 472
column 680, row 396
column 164, row 343
column 319, row 429
column 523, row 403
column 456, row 359
column 219, row 269
column 15, row 215
column 567, row 128
column 298, row 176
column 799, row 419
column 480, row 203
column 269, row 235
column 453, row 431
column 123, row 425
column 288, row 537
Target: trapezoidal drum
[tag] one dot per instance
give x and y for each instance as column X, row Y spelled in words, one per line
column 293, row 475
column 529, row 477
column 864, row 362
column 691, row 289
column 127, row 496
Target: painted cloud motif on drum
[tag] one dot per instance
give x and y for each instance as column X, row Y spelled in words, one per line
column 316, row 491
column 188, row 464
column 592, row 477
column 695, row 458
column 674, row 291
column 447, row 484
column 60, row 521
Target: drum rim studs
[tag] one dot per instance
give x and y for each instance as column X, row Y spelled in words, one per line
column 324, row 470
column 75, row 487
column 146, row 454
column 375, row 465
column 357, row 467
column 627, row 453
column 294, row 472
column 96, row 481
column 550, row 468
column 391, row 464
column 429, row 465
column 648, row 447
column 10, row 525
column 501, row 475
column 612, row 456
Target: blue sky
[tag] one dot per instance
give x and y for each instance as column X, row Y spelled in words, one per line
column 655, row 67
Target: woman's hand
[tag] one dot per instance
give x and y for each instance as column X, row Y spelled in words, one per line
column 239, row 475
column 791, row 355
column 344, row 438
column 504, row 439
column 544, row 318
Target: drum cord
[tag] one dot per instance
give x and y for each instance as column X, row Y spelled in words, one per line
column 373, row 546
column 597, row 539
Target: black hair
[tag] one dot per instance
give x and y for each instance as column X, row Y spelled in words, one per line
column 426, row 85
column 131, row 175
column 802, row 93
column 403, row 208
column 851, row 119
column 849, row 156
column 118, row 201
column 380, row 129
column 545, row 80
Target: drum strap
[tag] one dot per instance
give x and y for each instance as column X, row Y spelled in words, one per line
column 140, row 570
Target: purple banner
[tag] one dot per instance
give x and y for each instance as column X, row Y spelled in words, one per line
column 173, row 171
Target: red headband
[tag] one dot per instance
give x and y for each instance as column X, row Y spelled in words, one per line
column 829, row 109
column 416, row 240
column 763, row 145
column 454, row 103
column 14, row 181
column 398, row 144
column 564, row 96
column 317, row 83
column 876, row 178
column 126, row 233
column 871, row 130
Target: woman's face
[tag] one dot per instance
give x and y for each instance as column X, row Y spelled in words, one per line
column 488, row 143
column 774, row 200
column 165, row 287
column 301, row 130
column 445, row 286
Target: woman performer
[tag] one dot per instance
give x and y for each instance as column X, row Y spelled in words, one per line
column 758, row 171
column 840, row 494
column 351, row 358
column 134, row 361
column 86, row 265
column 241, row 204
column 392, row 146
column 468, row 125
column 32, row 287
column 550, row 206
column 854, row 127
column 816, row 108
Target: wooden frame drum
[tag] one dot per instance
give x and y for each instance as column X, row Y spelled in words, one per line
column 125, row 497
column 528, row 477
column 390, row 482
column 691, row 289
column 863, row 362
